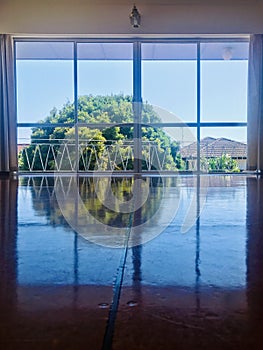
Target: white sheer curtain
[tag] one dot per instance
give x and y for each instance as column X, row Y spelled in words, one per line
column 255, row 101
column 8, row 147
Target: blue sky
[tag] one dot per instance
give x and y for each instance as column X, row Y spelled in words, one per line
column 171, row 85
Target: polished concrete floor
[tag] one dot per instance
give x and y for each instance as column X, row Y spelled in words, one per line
column 131, row 263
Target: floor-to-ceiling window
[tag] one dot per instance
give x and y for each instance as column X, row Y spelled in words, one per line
column 223, row 103
column 116, row 105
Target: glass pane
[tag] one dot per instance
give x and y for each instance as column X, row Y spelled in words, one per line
column 224, row 69
column 169, row 79
column 105, row 149
column 233, row 133
column 105, row 82
column 186, row 138
column 44, row 80
column 183, row 135
column 164, row 148
column 224, row 149
column 23, row 135
column 46, row 149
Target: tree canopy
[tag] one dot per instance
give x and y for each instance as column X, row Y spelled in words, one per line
column 225, row 163
column 94, row 110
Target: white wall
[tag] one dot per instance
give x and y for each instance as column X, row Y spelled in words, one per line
column 111, row 17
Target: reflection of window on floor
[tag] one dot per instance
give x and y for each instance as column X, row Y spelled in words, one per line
column 75, row 107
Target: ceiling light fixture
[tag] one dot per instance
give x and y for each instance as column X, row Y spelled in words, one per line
column 227, row 53
column 135, row 17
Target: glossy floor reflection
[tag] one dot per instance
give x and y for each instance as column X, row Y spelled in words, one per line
column 131, row 263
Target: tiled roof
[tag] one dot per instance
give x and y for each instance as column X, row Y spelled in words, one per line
column 211, row 147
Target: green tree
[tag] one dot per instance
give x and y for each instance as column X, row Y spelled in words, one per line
column 96, row 109
column 225, row 163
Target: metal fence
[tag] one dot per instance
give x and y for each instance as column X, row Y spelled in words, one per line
column 65, row 155
column 88, row 155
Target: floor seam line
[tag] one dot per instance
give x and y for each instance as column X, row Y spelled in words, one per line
column 109, row 332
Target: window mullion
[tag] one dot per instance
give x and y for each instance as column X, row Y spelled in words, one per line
column 198, row 100
column 76, row 107
column 137, row 106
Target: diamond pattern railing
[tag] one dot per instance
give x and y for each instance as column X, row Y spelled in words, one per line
column 95, row 155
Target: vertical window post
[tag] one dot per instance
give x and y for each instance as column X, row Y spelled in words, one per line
column 137, row 107
column 76, row 107
column 198, row 115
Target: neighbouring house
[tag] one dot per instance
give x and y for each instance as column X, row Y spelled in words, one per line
column 212, row 148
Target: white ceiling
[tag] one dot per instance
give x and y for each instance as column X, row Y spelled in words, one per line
column 111, row 17
column 173, row 2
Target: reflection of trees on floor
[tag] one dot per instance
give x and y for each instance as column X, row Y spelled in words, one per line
column 45, row 204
